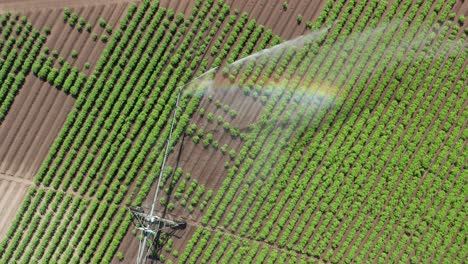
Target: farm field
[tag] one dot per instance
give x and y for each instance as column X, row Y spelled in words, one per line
column 305, row 131
column 13, row 192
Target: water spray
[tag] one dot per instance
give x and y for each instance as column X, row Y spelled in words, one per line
column 314, row 95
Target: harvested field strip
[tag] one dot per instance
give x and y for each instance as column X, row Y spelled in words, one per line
column 9, row 177
column 23, row 147
column 36, row 118
column 13, row 192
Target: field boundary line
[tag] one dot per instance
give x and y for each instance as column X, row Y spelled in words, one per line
column 13, row 178
column 196, row 223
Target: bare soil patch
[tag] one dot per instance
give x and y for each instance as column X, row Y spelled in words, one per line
column 180, row 6
column 283, row 21
column 30, row 127
column 11, row 196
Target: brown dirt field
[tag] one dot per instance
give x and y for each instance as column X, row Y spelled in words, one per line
column 267, row 13
column 30, row 127
column 12, row 193
column 34, row 5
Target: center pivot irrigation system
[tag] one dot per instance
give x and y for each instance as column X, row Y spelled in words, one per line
column 152, row 225
column 149, row 223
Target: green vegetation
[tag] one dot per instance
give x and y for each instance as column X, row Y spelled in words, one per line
column 47, row 30
column 102, row 23
column 120, row 256
column 133, row 67
column 66, row 13
column 461, row 19
column 373, row 171
column 104, row 38
column 109, row 29
column 299, row 19
column 297, row 196
column 18, row 54
column 75, row 21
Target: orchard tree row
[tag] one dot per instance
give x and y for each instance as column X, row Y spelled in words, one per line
column 308, row 206
column 18, row 52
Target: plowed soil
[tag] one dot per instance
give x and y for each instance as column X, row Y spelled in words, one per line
column 12, row 194
column 32, row 124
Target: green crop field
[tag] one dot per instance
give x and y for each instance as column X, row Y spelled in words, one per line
column 347, row 145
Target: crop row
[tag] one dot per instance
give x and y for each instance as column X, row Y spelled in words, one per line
column 83, row 244
column 69, row 79
column 355, row 130
column 323, row 220
column 297, row 194
column 259, row 143
column 97, row 163
column 224, row 247
column 19, row 51
column 188, row 192
column 291, row 208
